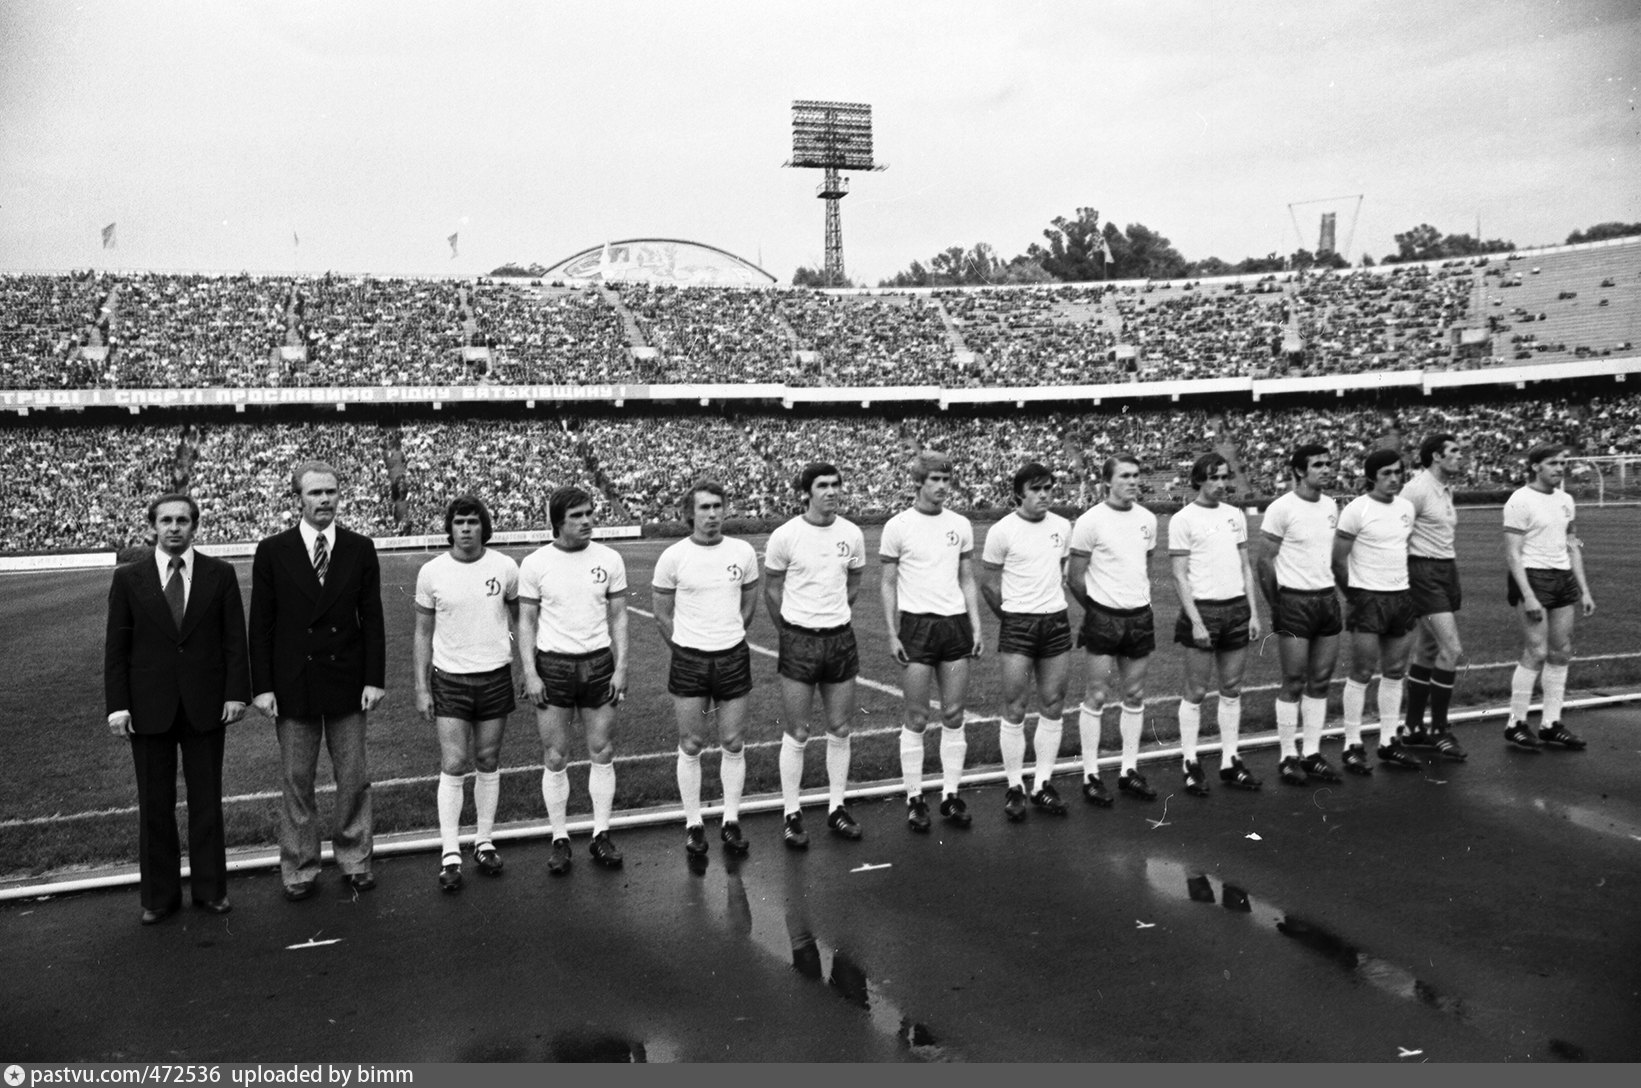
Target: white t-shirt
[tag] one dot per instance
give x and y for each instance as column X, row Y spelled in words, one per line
column 1118, row 544
column 574, row 589
column 471, row 632
column 707, row 580
column 928, row 548
column 1378, row 558
column 1435, row 522
column 1543, row 519
column 1031, row 554
column 1305, row 560
column 1211, row 538
column 816, row 560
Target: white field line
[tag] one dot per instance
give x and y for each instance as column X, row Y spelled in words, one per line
column 758, row 745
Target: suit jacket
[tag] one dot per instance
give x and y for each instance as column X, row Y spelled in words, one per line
column 150, row 667
column 316, row 647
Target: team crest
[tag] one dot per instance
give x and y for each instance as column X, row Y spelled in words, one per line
column 600, row 575
column 951, row 538
column 734, row 570
column 492, row 587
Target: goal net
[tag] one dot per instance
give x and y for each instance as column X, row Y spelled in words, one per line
column 1606, row 479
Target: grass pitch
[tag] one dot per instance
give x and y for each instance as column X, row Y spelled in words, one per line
column 70, row 800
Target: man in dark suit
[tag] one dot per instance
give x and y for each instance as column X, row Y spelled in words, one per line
column 318, row 666
column 174, row 674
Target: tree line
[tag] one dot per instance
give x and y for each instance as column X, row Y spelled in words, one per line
column 1082, row 249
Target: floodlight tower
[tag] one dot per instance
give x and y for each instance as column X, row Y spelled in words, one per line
column 832, row 136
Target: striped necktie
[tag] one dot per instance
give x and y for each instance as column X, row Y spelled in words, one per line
column 173, row 591
column 321, row 557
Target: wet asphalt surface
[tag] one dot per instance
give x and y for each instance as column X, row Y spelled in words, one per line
column 1484, row 911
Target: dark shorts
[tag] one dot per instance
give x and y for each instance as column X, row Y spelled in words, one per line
column 577, row 680
column 1118, row 632
column 809, row 656
column 473, row 696
column 1434, row 584
column 1227, row 623
column 1036, row 635
column 1307, row 613
column 1376, row 612
column 1553, row 588
column 934, row 640
column 710, row 674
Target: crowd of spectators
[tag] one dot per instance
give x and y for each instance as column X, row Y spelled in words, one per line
column 194, row 330
column 554, row 335
column 44, row 321
column 1358, row 321
column 872, row 340
column 87, row 486
column 1199, row 332
column 707, row 334
column 359, row 330
column 1060, row 335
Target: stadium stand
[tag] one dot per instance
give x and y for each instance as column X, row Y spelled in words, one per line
column 85, row 485
column 171, row 331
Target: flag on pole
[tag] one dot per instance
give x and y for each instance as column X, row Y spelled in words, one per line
column 295, row 241
column 1105, row 248
column 108, row 236
column 452, row 241
column 604, row 263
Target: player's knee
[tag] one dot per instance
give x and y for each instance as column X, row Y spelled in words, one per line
column 1362, row 673
column 602, row 751
column 1291, row 688
column 1015, row 709
column 487, row 762
column 1051, row 708
column 456, row 765
column 1533, row 657
column 1317, row 687
column 951, row 717
column 1395, row 671
column 1193, row 693
column 1559, row 655
column 555, row 760
column 690, row 746
column 1230, row 689
column 839, row 731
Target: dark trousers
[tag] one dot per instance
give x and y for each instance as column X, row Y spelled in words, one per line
column 158, row 849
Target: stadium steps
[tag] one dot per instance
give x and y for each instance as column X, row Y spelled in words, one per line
column 629, row 322
column 953, row 333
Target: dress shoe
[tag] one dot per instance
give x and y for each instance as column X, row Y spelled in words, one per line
column 151, row 917
column 360, row 882
column 302, row 889
column 214, row 906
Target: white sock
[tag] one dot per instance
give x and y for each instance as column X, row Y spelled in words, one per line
column 837, row 770
column 1229, row 713
column 1521, row 692
column 1390, row 708
column 601, row 785
column 450, row 812
column 555, row 790
column 1045, row 744
column 954, row 745
column 1555, row 693
column 732, row 771
column 1313, row 709
column 1190, row 724
column 486, row 796
column 1011, row 740
column 689, row 786
column 911, row 761
column 1088, row 728
column 1355, row 699
column 791, row 761
column 1131, row 723
column 1287, row 727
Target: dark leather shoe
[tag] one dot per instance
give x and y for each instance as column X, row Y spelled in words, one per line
column 360, row 882
column 214, row 906
column 302, row 889
column 152, row 917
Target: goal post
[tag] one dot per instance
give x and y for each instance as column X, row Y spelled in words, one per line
column 1604, row 479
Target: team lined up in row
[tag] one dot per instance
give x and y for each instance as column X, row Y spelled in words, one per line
column 1390, row 550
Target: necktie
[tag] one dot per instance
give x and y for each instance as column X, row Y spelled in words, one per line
column 321, row 557
column 173, row 591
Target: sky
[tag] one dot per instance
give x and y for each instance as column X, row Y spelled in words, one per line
column 356, row 137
